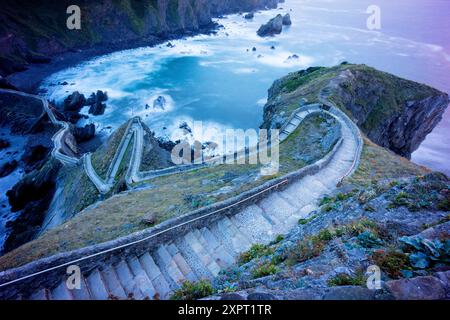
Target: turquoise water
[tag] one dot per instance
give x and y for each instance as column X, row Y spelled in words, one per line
column 220, row 81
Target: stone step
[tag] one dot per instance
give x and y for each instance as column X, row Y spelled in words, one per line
column 239, row 240
column 205, row 258
column 217, row 252
column 275, row 205
column 41, row 294
column 97, row 286
column 141, row 279
column 224, row 238
column 272, row 220
column 216, row 243
column 61, row 292
column 126, row 280
column 159, row 282
column 185, row 269
column 193, row 259
column 83, row 293
column 168, row 267
column 251, row 222
column 112, row 282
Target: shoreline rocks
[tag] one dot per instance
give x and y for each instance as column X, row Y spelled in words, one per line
column 274, row 26
column 287, row 20
column 271, row 28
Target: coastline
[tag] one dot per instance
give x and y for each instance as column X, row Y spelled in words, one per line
column 29, row 80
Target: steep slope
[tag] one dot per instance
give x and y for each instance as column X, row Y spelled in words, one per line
column 33, row 32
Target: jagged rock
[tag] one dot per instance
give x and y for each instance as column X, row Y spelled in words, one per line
column 287, row 20
column 254, row 49
column 85, row 133
column 271, row 28
column 4, row 144
column 185, row 127
column 249, row 16
column 7, row 168
column 97, row 109
column 74, row 102
column 159, row 103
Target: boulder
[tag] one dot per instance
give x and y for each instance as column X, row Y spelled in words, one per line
column 287, row 20
column 249, row 16
column 420, row 288
column 271, row 28
column 149, row 218
column 74, row 102
column 159, row 103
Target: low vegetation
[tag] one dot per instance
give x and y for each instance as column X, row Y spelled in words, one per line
column 193, row 290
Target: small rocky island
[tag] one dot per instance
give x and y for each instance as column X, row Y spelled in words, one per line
column 274, row 26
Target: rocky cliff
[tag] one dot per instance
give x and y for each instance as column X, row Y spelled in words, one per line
column 393, row 112
column 33, row 32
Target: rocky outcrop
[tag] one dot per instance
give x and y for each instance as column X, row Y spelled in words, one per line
column 287, row 20
column 159, row 103
column 83, row 134
column 393, row 112
column 271, row 28
column 30, row 38
column 32, row 196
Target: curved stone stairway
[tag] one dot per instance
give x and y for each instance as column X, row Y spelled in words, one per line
column 204, row 251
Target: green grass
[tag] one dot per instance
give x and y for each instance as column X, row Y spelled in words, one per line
column 343, row 279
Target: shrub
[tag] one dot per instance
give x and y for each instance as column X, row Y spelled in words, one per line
column 256, row 251
column 392, row 262
column 264, row 269
column 343, row 279
column 193, row 290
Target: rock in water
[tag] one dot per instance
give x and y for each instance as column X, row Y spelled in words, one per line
column 85, row 133
column 159, row 103
column 74, row 102
column 249, row 16
column 97, row 109
column 271, row 28
column 287, row 20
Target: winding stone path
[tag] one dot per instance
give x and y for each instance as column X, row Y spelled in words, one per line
column 204, row 251
column 58, row 138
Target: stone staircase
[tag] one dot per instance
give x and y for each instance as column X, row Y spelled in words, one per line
column 204, row 251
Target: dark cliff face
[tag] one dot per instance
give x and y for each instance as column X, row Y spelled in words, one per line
column 32, row 31
column 393, row 112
